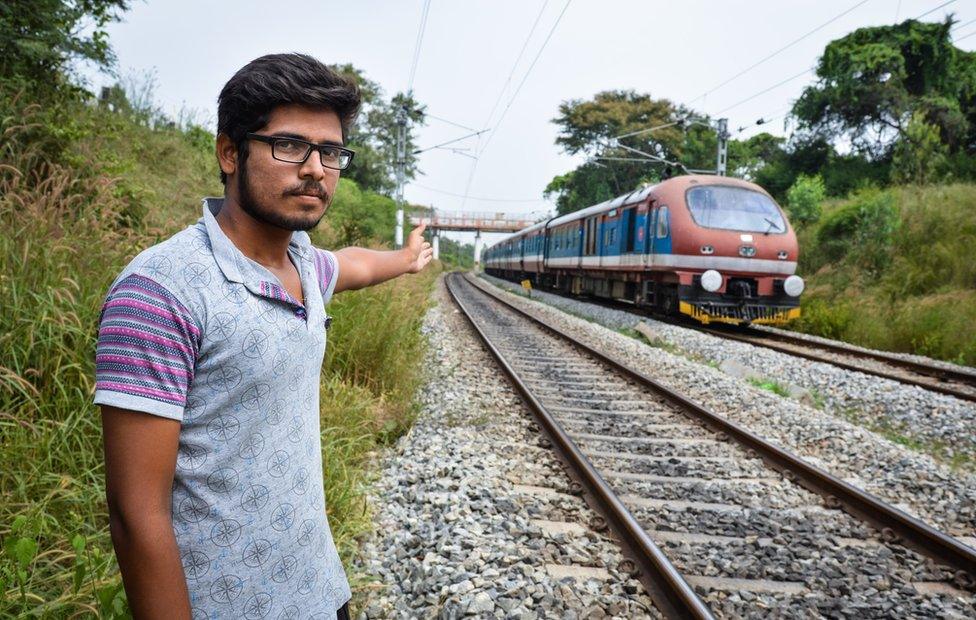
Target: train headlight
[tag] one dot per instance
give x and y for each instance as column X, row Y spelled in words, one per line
column 793, row 286
column 711, row 280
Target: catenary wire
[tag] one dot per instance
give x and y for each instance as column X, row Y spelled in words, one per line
column 417, row 46
column 491, row 134
column 515, row 65
column 780, row 50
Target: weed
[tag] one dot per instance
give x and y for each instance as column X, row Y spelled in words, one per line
column 770, row 385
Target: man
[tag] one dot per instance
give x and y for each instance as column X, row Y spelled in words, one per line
column 208, row 362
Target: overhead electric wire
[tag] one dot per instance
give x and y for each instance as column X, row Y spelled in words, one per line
column 964, row 37
column 804, row 72
column 958, row 26
column 515, row 65
column 417, row 45
column 444, row 120
column 525, row 77
column 766, row 90
column 935, row 9
column 782, row 49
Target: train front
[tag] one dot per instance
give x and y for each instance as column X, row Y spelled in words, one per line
column 738, row 252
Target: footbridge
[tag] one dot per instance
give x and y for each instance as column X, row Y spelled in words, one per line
column 471, row 221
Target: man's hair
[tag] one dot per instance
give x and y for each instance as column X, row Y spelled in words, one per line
column 248, row 98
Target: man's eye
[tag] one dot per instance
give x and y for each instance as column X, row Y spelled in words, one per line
column 289, row 146
column 331, row 154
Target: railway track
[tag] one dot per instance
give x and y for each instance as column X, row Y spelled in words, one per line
column 956, row 382
column 715, row 520
column 953, row 382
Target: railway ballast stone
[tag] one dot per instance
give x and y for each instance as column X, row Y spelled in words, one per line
column 454, row 537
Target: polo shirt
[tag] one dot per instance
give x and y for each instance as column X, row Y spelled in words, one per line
column 194, row 330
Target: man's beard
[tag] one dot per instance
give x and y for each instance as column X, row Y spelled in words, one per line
column 262, row 213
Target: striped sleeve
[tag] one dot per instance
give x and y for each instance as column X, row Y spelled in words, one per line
column 327, row 270
column 148, row 343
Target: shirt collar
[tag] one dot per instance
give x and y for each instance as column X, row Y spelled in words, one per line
column 229, row 258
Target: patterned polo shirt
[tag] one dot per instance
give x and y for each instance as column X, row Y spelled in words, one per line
column 195, row 331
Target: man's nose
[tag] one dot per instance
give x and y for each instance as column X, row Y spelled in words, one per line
column 312, row 167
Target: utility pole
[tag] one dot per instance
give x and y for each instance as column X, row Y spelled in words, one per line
column 401, row 165
column 723, row 146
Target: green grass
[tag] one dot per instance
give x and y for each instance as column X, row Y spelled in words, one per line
column 68, row 228
column 771, row 386
column 959, row 461
column 908, row 287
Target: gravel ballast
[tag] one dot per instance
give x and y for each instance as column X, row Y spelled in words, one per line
column 909, row 479
column 472, row 517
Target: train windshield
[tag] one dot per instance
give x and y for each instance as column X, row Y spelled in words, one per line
column 734, row 208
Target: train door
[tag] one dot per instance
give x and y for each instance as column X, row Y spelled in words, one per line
column 661, row 229
column 630, row 232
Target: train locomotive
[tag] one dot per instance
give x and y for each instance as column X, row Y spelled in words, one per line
column 714, row 248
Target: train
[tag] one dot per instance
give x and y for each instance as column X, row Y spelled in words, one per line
column 714, row 248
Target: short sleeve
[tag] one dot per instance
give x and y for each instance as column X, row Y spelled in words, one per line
column 148, row 343
column 327, row 271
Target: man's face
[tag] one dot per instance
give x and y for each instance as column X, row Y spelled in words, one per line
column 287, row 195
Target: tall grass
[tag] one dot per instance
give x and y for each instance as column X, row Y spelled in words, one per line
column 68, row 228
column 902, row 282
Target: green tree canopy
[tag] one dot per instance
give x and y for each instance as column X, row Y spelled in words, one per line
column 373, row 135
column 39, row 39
column 594, row 128
column 872, row 81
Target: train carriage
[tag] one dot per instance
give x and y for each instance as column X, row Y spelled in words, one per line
column 714, row 248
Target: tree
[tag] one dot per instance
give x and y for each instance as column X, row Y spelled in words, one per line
column 592, row 127
column 373, row 134
column 804, row 198
column 872, row 81
column 920, row 155
column 41, row 38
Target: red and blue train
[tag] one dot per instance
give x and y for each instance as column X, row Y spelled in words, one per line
column 714, row 248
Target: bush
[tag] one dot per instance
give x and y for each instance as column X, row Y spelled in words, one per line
column 867, row 222
column 804, row 198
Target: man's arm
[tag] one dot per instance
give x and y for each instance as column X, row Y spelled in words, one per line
column 359, row 267
column 140, row 459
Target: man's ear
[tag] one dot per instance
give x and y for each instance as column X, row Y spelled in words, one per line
column 226, row 154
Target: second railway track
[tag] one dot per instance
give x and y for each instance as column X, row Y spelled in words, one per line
column 702, row 505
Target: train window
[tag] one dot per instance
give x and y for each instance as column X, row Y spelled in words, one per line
column 609, row 235
column 663, row 224
column 734, row 208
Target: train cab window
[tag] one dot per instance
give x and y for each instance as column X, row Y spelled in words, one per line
column 663, row 223
column 734, row 208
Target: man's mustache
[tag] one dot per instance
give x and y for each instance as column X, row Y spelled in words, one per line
column 309, row 189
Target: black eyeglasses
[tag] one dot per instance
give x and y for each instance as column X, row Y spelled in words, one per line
column 296, row 151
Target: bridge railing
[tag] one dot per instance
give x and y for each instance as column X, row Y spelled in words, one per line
column 474, row 220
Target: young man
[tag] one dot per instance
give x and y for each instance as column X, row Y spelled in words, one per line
column 208, row 361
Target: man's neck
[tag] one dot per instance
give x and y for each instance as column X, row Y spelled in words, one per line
column 264, row 244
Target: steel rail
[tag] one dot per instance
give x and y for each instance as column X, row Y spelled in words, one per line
column 758, row 338
column 894, row 525
column 670, row 592
column 923, row 369
column 929, row 370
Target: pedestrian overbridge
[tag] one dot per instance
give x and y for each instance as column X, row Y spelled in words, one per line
column 472, row 221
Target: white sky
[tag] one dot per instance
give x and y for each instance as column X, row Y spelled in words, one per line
column 674, row 50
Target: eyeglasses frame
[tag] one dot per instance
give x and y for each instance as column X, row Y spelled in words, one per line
column 314, row 147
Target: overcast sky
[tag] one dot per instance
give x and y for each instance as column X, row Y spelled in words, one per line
column 675, row 50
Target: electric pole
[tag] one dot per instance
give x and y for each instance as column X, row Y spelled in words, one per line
column 401, row 164
column 723, row 146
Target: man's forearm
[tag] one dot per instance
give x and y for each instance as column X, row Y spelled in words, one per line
column 152, row 572
column 375, row 266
